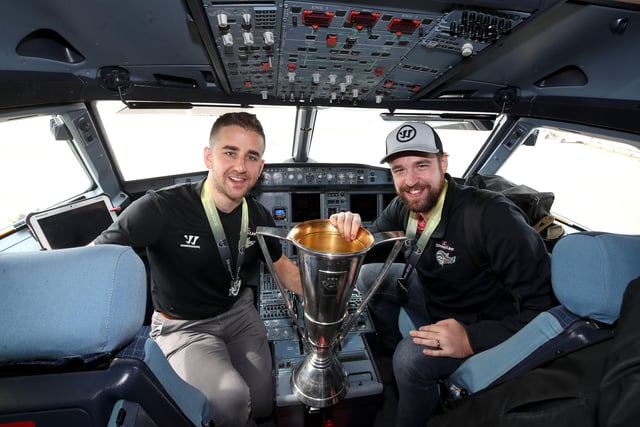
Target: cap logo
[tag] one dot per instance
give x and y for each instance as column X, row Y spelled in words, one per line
column 406, row 133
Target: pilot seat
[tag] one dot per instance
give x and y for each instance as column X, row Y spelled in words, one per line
column 549, row 372
column 73, row 348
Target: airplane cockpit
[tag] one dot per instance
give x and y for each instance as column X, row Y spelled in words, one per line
column 105, row 101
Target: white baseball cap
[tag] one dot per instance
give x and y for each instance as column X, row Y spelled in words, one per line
column 412, row 136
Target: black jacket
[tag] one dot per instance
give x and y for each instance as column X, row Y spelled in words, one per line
column 492, row 303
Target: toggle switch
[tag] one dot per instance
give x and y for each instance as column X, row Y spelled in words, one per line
column 247, row 38
column 268, row 38
column 227, row 40
column 223, row 23
column 246, row 20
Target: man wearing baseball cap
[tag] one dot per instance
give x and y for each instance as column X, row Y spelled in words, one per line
column 417, row 137
column 459, row 308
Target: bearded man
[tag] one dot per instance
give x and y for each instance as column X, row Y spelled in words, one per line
column 459, row 308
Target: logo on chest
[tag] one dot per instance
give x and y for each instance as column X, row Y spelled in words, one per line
column 444, row 253
column 251, row 238
column 190, row 241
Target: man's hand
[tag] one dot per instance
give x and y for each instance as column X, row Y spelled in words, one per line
column 444, row 338
column 347, row 223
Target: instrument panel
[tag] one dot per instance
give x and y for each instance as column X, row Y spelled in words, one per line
column 296, row 193
column 288, row 348
column 302, row 51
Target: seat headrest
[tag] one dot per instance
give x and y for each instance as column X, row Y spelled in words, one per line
column 69, row 302
column 590, row 271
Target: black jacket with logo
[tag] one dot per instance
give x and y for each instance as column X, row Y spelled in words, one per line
column 492, row 303
column 188, row 277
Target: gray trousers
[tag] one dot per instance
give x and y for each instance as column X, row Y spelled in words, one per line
column 227, row 357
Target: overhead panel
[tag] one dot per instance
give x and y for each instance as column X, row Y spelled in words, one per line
column 306, row 51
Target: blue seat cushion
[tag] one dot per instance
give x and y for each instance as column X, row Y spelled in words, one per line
column 591, row 270
column 484, row 368
column 192, row 401
column 69, row 303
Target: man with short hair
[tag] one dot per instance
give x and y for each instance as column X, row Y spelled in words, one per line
column 460, row 308
column 203, row 256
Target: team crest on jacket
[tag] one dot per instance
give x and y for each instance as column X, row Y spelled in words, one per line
column 251, row 238
column 444, row 253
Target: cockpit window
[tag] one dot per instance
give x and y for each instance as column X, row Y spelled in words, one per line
column 357, row 135
column 143, row 141
column 162, row 142
column 37, row 171
column 592, row 178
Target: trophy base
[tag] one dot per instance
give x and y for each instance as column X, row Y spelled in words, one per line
column 319, row 381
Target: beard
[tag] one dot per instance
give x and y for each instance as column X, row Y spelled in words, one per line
column 426, row 203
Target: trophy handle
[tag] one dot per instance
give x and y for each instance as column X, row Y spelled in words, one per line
column 382, row 237
column 279, row 233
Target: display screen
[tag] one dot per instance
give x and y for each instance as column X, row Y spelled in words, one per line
column 366, row 205
column 76, row 227
column 387, row 198
column 305, row 206
column 280, row 214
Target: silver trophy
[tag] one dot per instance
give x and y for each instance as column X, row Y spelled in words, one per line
column 329, row 266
